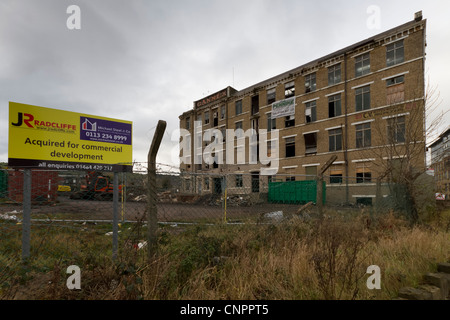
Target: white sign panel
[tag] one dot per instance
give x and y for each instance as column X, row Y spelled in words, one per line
column 440, row 196
column 283, row 108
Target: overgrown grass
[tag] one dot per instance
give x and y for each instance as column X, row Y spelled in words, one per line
column 296, row 259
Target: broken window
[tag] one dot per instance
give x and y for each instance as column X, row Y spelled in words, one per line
column 289, row 90
column 255, row 104
column 334, row 106
column 271, row 96
column 289, row 121
column 310, row 112
column 223, row 131
column 215, row 118
column 216, row 161
column 395, row 80
column 239, row 181
column 310, row 82
column 290, row 147
column 311, row 143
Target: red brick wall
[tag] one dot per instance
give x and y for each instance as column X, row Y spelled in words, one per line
column 44, row 185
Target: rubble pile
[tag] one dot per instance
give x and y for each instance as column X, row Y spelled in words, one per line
column 167, row 197
column 239, row 201
column 209, row 199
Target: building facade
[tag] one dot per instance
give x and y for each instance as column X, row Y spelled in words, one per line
column 440, row 163
column 358, row 104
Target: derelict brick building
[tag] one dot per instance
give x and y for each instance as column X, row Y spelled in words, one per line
column 357, row 103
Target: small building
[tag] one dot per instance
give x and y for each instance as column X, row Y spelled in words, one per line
column 440, row 163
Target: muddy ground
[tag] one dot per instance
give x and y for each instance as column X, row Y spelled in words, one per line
column 65, row 208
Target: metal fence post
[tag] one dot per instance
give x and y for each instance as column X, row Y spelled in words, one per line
column 319, row 193
column 224, row 195
column 115, row 215
column 152, row 210
column 319, row 179
column 26, row 223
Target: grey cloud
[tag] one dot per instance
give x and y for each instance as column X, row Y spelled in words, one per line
column 148, row 60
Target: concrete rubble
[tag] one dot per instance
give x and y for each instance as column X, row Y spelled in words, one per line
column 436, row 286
column 207, row 199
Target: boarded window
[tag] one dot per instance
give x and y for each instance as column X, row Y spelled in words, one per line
column 311, row 171
column 395, row 94
column 336, row 174
column 363, row 172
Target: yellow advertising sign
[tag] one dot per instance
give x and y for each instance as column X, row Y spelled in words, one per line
column 55, row 139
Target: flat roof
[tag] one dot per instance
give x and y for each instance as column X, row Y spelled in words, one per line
column 446, row 132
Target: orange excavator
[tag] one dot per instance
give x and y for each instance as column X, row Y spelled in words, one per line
column 98, row 187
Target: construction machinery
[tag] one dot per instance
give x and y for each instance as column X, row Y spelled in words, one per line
column 98, row 187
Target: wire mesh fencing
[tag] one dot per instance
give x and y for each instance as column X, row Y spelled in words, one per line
column 74, row 215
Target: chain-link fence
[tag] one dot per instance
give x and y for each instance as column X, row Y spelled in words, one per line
column 73, row 215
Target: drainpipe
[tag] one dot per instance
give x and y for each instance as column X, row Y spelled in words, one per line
column 346, row 131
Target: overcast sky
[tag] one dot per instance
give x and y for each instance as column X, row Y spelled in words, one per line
column 146, row 60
